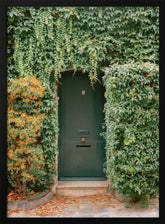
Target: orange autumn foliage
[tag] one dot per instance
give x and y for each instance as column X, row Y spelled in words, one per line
column 25, row 122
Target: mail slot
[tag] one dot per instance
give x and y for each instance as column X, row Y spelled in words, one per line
column 83, row 146
column 86, row 146
column 83, row 132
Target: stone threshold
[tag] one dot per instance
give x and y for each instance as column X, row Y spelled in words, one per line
column 81, row 188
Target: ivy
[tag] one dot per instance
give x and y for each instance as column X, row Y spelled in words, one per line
column 82, row 38
column 132, row 136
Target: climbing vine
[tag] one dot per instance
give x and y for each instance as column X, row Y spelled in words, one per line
column 83, row 38
column 132, row 136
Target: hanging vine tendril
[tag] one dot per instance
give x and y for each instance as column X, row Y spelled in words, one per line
column 60, row 39
column 18, row 56
column 93, row 71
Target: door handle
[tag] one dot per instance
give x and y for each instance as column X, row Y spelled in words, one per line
column 83, row 139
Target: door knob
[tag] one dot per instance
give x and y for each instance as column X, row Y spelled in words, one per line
column 82, row 139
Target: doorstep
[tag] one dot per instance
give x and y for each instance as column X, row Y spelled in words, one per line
column 81, row 188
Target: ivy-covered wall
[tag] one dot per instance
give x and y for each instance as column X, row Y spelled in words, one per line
column 47, row 41
column 132, row 135
column 44, row 42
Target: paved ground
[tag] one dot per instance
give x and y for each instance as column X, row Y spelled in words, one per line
column 89, row 206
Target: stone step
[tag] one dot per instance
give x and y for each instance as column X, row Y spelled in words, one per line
column 81, row 188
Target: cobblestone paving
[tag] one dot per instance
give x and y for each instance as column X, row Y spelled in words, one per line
column 89, row 206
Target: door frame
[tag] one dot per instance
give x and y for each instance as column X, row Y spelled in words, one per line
column 61, row 138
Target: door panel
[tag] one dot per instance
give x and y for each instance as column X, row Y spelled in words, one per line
column 80, row 116
column 79, row 159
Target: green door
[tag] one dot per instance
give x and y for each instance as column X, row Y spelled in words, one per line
column 81, row 116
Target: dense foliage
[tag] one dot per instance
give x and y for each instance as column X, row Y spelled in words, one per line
column 52, row 40
column 31, row 149
column 132, row 135
column 44, row 42
column 25, row 156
